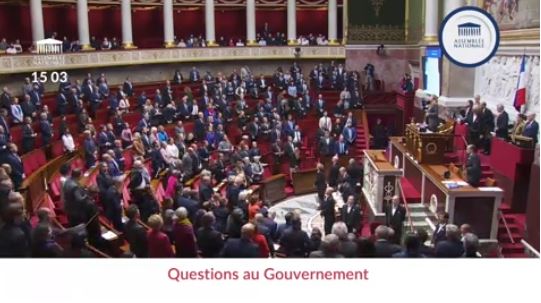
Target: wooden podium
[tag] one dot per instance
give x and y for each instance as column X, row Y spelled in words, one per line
column 427, row 147
column 380, row 183
column 273, row 189
column 303, row 181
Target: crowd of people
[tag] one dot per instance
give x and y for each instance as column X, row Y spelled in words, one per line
column 204, row 220
column 265, row 38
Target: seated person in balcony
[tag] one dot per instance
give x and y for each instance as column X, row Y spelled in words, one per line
column 327, row 145
column 181, row 43
column 3, row 44
column 239, row 43
column 105, row 44
column 75, row 46
column 94, row 43
column 194, row 75
column 341, row 146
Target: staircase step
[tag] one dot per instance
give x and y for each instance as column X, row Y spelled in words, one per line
column 510, row 248
column 506, row 237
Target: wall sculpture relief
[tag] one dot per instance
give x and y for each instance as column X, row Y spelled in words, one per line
column 514, row 14
column 496, row 82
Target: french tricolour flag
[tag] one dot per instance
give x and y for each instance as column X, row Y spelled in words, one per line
column 520, row 95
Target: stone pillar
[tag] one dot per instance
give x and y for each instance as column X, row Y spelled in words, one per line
column 250, row 23
column 291, row 22
column 168, row 26
column 451, row 5
column 332, row 23
column 209, row 23
column 82, row 25
column 345, row 21
column 431, row 21
column 127, row 37
column 36, row 13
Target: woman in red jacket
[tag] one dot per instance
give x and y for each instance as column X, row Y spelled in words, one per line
column 158, row 242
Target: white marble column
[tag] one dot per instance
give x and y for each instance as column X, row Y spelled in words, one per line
column 36, row 13
column 168, row 26
column 127, row 37
column 431, row 21
column 332, row 21
column 250, row 23
column 209, row 23
column 451, row 5
column 291, row 22
column 82, row 24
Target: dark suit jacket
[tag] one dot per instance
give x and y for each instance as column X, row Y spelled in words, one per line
column 449, row 249
column 385, row 249
column 239, row 248
column 531, row 130
column 334, row 171
column 136, row 236
column 396, row 221
column 351, row 218
column 438, row 235
column 502, row 125
column 210, row 242
column 473, row 167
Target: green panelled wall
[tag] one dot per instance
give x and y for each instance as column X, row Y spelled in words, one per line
column 376, row 21
column 415, row 21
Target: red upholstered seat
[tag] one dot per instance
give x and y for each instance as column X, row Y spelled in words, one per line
column 57, row 148
column 128, row 159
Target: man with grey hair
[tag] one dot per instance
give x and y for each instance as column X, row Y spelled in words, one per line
column 502, row 123
column 242, row 247
column 451, row 247
column 347, row 248
column 471, row 246
column 329, row 248
column 384, row 248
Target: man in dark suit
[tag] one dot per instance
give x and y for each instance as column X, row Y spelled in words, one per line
column 90, row 150
column 17, row 169
column 502, row 123
column 194, row 75
column 355, row 172
column 473, row 166
column 209, row 241
column 294, row 241
column 127, row 87
column 29, row 136
column 200, row 127
column 289, row 149
column 351, row 215
column 327, row 145
column 474, row 127
column 112, row 204
column 439, row 232
column 432, row 118
column 334, row 172
column 531, row 129
column 451, row 247
column 4, row 123
column 242, row 247
column 46, row 129
column 384, row 248
column 327, row 210
column 321, row 183
column 135, row 233
column 487, row 126
column 396, row 215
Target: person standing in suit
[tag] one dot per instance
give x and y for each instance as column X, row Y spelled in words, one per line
column 474, row 127
column 327, row 210
column 432, row 117
column 451, row 247
column 242, row 247
column 46, row 129
column 135, row 233
column 351, row 215
column 17, row 167
column 531, row 128
column 439, row 232
column 502, row 123
column 487, row 126
column 112, row 202
column 518, row 128
column 396, row 215
column 383, row 247
column 334, row 172
column 321, row 183
column 29, row 136
column 473, row 166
